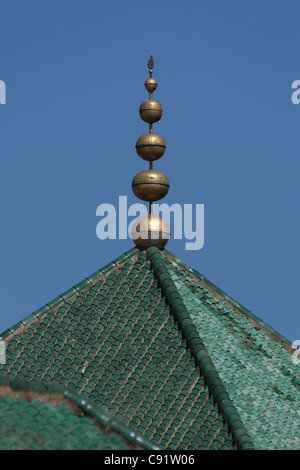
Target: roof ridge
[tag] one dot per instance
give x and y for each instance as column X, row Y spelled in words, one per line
column 234, row 303
column 198, row 349
column 76, row 289
column 105, row 419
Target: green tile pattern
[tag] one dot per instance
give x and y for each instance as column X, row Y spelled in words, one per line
column 114, row 340
column 117, row 344
column 199, row 351
column 257, row 371
column 37, row 426
column 29, row 421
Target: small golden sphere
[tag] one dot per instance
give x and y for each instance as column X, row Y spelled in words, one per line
column 150, row 111
column 150, row 230
column 150, row 185
column 150, row 147
column 150, row 85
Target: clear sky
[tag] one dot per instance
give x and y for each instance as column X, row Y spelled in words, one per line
column 74, row 74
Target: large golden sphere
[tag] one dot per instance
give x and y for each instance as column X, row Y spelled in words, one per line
column 150, row 230
column 150, row 147
column 150, row 185
column 150, row 85
column 150, row 111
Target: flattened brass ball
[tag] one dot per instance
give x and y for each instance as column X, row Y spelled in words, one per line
column 150, row 147
column 150, row 85
column 150, row 230
column 150, row 185
column 150, row 111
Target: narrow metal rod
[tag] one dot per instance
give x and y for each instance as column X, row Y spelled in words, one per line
column 150, row 203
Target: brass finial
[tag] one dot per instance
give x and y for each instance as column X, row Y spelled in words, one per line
column 150, row 64
column 150, row 185
column 151, row 84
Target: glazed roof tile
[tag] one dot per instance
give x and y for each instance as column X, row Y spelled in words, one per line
column 34, row 416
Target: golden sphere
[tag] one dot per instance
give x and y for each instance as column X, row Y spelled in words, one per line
column 150, row 185
column 150, row 85
column 150, row 230
column 150, row 111
column 150, row 147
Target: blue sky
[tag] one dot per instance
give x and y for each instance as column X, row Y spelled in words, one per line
column 74, row 74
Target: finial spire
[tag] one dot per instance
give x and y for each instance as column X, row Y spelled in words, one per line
column 150, row 64
column 150, row 185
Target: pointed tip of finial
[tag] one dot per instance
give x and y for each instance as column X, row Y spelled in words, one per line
column 150, row 63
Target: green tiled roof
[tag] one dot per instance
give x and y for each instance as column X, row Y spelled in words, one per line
column 38, row 417
column 253, row 360
column 150, row 341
